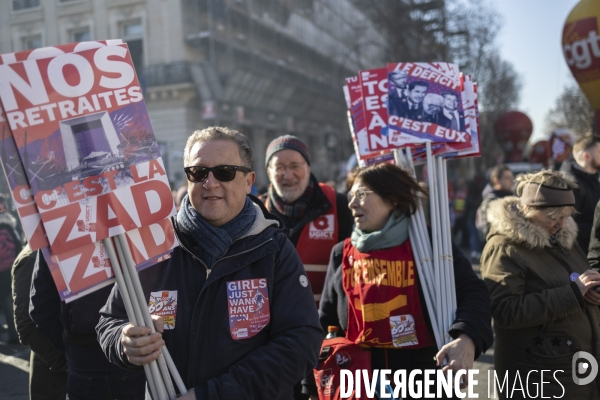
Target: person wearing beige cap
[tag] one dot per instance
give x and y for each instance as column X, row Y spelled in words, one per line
column 543, row 292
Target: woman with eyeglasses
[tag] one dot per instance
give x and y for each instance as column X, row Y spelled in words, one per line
column 544, row 300
column 373, row 290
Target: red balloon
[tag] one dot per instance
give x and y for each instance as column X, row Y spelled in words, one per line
column 513, row 129
column 540, row 153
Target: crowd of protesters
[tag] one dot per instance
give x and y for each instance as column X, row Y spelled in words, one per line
column 295, row 245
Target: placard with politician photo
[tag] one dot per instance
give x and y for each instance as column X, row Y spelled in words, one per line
column 425, row 102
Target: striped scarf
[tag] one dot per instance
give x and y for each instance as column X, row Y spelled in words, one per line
column 298, row 208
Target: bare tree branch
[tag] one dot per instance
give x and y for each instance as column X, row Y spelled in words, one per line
column 572, row 111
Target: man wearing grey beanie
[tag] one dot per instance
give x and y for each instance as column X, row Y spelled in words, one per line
column 316, row 217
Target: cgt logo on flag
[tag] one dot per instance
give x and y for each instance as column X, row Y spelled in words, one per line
column 321, row 228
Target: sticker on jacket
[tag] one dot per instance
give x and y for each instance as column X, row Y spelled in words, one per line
column 164, row 304
column 326, row 381
column 403, row 330
column 248, row 307
column 322, row 228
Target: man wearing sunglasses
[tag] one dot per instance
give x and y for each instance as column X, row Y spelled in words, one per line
column 316, row 217
column 243, row 323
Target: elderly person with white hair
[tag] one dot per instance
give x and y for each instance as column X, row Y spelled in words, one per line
column 432, row 107
column 541, row 288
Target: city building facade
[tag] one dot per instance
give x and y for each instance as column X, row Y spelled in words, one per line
column 265, row 67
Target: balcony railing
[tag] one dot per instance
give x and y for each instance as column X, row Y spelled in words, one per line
column 167, row 74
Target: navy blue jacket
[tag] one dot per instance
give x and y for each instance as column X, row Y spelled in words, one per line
column 265, row 366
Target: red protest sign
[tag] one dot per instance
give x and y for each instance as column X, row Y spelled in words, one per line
column 52, row 51
column 356, row 108
column 87, row 268
column 84, row 268
column 82, row 128
column 374, row 91
column 9, row 155
column 20, row 189
column 471, row 112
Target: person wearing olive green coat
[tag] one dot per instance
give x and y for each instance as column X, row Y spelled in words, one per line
column 539, row 279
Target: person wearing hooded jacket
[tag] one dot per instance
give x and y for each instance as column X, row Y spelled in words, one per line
column 232, row 282
column 544, row 306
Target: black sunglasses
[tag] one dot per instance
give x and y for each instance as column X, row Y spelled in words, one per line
column 223, row 173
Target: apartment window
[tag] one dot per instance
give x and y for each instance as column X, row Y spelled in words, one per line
column 133, row 30
column 81, row 35
column 133, row 34
column 23, row 4
column 32, row 42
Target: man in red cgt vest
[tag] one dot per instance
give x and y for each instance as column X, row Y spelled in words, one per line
column 316, row 217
